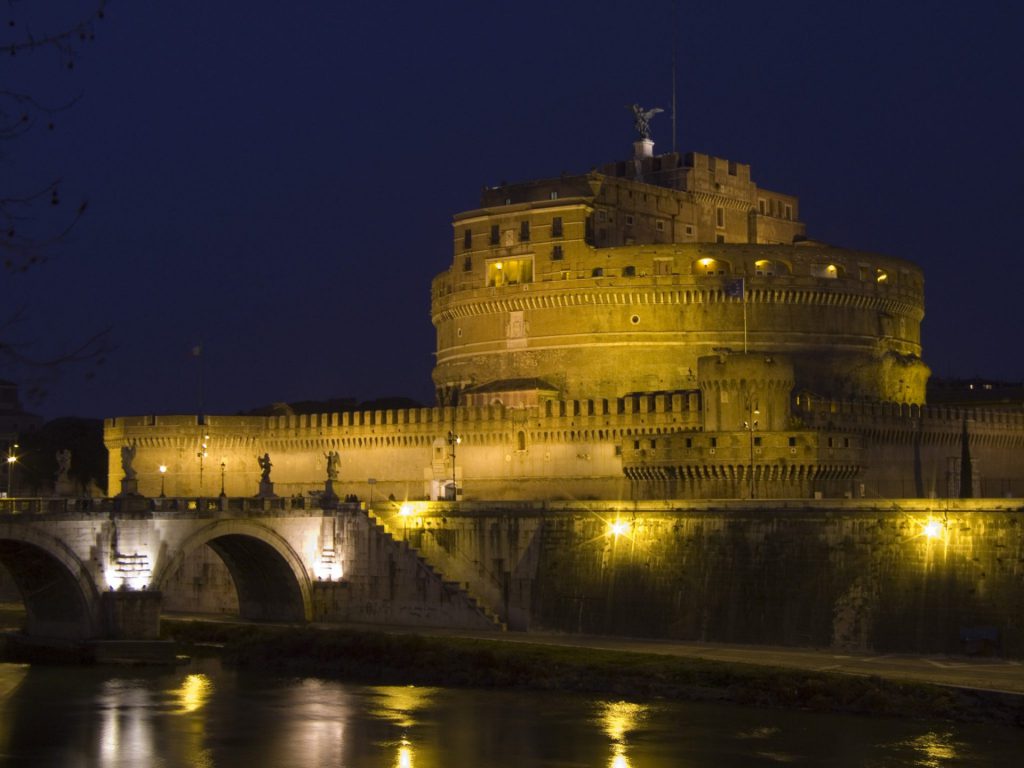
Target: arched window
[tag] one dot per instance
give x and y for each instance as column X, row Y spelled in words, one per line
column 520, row 440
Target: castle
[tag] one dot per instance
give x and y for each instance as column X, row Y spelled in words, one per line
column 658, row 328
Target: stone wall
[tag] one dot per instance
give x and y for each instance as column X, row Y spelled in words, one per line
column 845, row 575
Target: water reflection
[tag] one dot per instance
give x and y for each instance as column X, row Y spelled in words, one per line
column 933, row 749
column 208, row 717
column 193, row 693
column 618, row 719
column 400, row 706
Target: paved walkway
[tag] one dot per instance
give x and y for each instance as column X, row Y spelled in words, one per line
column 986, row 674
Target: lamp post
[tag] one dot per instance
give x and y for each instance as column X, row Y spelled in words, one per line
column 750, row 425
column 453, row 441
column 12, row 459
column 223, row 466
column 163, row 473
column 202, row 458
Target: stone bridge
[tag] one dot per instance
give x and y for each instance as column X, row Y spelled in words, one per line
column 96, row 569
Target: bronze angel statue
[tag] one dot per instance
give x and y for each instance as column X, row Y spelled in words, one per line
column 642, row 119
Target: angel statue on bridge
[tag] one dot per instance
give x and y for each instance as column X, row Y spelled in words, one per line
column 127, row 457
column 333, row 462
column 265, row 465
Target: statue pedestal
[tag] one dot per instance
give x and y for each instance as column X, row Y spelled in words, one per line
column 65, row 488
column 329, row 499
column 267, row 490
column 643, row 148
column 129, row 487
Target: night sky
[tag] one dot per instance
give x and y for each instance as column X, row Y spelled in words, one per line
column 276, row 180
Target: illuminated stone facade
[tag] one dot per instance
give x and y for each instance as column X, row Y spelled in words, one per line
column 661, row 328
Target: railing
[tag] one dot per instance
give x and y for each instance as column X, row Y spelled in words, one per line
column 84, row 506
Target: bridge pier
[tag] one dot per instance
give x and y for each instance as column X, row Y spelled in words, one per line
column 130, row 615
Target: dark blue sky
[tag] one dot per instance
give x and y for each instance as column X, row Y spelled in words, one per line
column 277, row 180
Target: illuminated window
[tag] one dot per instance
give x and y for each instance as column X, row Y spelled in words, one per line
column 881, row 276
column 495, row 235
column 509, row 272
column 524, row 231
column 554, row 195
column 764, row 268
column 556, row 253
column 467, row 238
column 556, row 226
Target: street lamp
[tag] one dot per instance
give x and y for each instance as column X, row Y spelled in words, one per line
column 223, row 466
column 453, row 441
column 163, row 472
column 750, row 425
column 202, row 458
column 12, row 459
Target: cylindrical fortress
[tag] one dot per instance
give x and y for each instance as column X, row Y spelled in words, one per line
column 612, row 321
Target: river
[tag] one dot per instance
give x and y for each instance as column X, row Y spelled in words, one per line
column 205, row 715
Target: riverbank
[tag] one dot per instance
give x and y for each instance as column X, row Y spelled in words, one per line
column 371, row 657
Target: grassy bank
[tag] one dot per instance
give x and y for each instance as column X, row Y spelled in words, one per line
column 404, row 659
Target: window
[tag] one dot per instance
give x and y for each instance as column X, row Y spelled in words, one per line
column 495, row 235
column 831, row 443
column 662, row 266
column 597, row 272
column 554, row 195
column 719, row 217
column 689, row 442
column 760, row 206
column 757, row 441
column 636, row 445
column 732, row 167
column 792, row 442
column 509, row 272
column 789, row 212
column 660, row 225
column 714, row 442
column 719, row 238
column 524, row 231
column 556, row 253
column 629, row 271
column 556, row 226
column 467, row 238
column 520, row 440
column 689, row 229
column 629, row 220
column 654, row 444
column 467, row 264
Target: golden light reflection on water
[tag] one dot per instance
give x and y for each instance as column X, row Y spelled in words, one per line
column 405, row 755
column 618, row 718
column 935, row 749
column 193, row 693
column 399, row 705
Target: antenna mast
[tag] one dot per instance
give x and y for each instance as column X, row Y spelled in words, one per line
column 675, row 33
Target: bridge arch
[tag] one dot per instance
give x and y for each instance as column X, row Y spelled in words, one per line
column 60, row 596
column 269, row 575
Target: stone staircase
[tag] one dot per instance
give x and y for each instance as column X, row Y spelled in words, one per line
column 455, row 591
